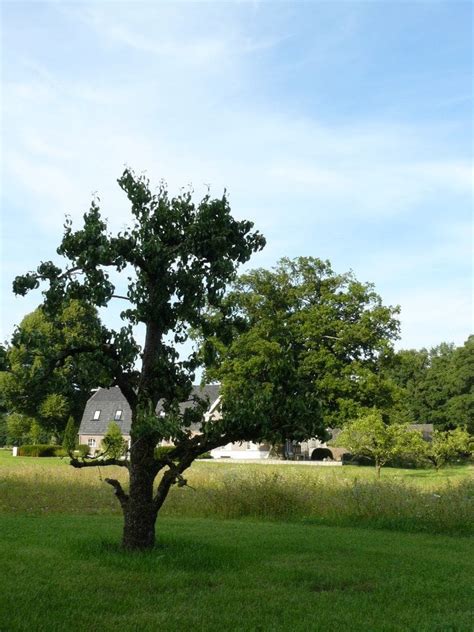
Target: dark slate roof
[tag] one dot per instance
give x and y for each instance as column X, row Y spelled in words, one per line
column 425, row 429
column 422, row 427
column 109, row 400
column 210, row 391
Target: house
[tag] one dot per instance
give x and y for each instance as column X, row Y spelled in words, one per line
column 103, row 407
column 242, row 450
column 425, row 429
column 109, row 404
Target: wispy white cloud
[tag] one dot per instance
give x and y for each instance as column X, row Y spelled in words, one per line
column 376, row 188
column 162, row 33
column 188, row 105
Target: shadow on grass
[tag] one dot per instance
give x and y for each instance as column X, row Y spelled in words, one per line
column 170, row 552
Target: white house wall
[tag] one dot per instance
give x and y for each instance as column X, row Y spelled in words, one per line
column 240, row 451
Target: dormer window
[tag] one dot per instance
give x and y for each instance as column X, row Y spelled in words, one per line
column 96, row 415
column 118, row 415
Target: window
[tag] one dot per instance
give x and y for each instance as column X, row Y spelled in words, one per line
column 97, row 414
column 91, row 443
column 118, row 415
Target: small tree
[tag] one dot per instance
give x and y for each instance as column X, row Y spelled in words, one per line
column 70, row 436
column 36, row 433
column 447, row 446
column 113, row 444
column 19, row 428
column 369, row 436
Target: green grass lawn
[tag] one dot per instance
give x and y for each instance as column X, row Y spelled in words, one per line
column 67, row 573
column 251, row 547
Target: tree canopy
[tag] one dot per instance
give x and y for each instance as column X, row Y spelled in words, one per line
column 308, row 344
column 44, row 378
column 369, row 436
column 448, row 446
column 113, row 444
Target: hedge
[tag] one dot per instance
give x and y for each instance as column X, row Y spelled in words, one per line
column 41, row 450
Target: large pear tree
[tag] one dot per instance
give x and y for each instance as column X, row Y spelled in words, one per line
column 175, row 261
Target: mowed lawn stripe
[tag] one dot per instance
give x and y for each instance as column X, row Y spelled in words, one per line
column 67, row 572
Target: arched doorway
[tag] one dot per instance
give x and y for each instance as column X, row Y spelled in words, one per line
column 321, row 453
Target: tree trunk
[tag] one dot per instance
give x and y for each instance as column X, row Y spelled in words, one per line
column 139, row 526
column 377, row 468
column 139, row 511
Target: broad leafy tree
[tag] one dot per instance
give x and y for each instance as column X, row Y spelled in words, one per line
column 314, row 342
column 369, row 436
column 175, row 260
column 3, row 407
column 39, row 380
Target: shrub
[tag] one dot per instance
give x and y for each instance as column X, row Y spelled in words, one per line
column 41, row 450
column 348, row 459
column 83, row 450
column 70, row 435
column 205, row 455
column 113, row 444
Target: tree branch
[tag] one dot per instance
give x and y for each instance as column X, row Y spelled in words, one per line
column 68, row 273
column 96, row 462
column 170, row 477
column 125, row 298
column 109, row 351
column 121, row 495
column 195, row 446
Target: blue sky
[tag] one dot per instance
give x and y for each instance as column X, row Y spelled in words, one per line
column 343, row 129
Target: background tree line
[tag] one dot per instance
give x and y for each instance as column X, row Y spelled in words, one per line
column 337, row 325
column 435, row 386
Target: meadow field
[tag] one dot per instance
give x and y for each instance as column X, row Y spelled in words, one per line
column 244, row 547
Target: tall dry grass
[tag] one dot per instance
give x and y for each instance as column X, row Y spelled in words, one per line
column 339, row 497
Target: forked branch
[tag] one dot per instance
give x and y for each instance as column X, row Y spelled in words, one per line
column 118, row 491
